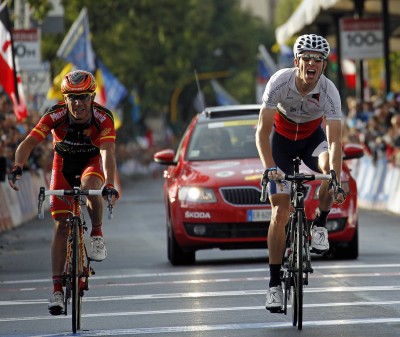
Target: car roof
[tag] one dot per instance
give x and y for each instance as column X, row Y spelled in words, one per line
column 227, row 111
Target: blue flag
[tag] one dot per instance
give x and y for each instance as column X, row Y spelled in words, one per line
column 76, row 47
column 115, row 91
column 221, row 95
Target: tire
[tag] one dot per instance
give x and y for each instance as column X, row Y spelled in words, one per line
column 75, row 292
column 299, row 266
column 176, row 255
column 348, row 251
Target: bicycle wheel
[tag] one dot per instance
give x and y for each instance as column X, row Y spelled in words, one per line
column 298, row 280
column 293, row 262
column 75, row 292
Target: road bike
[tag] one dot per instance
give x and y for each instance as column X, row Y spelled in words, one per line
column 77, row 266
column 296, row 261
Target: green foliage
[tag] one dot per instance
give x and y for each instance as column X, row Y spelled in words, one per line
column 41, row 9
column 155, row 46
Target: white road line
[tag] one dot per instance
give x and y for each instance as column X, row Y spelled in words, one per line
column 191, row 311
column 208, row 294
column 200, row 271
column 224, row 327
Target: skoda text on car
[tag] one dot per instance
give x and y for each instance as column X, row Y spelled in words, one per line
column 212, row 189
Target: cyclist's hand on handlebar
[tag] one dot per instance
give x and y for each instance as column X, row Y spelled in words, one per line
column 339, row 195
column 15, row 175
column 109, row 190
column 273, row 174
column 337, row 192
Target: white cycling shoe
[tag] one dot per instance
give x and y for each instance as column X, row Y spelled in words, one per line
column 274, row 300
column 319, row 240
column 98, row 249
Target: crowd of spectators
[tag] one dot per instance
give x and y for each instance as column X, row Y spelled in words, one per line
column 374, row 123
column 12, row 133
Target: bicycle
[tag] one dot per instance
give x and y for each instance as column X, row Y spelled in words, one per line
column 296, row 260
column 77, row 268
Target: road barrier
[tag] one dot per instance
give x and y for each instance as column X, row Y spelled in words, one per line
column 19, row 207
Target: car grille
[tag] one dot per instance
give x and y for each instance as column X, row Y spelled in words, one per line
column 242, row 196
column 228, row 230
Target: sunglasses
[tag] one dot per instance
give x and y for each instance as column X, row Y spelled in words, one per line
column 315, row 57
column 79, row 97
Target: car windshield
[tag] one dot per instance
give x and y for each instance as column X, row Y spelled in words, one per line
column 230, row 139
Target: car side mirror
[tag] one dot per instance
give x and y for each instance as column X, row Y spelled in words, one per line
column 352, row 151
column 165, row 157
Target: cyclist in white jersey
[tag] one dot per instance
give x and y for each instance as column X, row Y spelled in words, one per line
column 295, row 103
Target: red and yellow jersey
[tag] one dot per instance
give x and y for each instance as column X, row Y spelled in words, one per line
column 76, row 140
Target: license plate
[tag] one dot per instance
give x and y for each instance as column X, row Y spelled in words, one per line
column 254, row 215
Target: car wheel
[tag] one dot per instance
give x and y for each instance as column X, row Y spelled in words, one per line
column 176, row 255
column 348, row 251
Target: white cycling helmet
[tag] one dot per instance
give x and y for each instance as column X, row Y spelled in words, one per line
column 311, row 42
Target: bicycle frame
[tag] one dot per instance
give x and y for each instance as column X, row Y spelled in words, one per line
column 77, row 264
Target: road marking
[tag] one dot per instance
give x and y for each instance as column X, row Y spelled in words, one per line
column 197, row 310
column 207, row 294
column 224, row 327
column 200, row 271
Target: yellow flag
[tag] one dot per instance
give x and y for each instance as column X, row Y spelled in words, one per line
column 55, row 91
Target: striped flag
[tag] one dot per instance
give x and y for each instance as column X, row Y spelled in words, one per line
column 9, row 78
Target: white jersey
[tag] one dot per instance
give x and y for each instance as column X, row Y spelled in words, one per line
column 299, row 116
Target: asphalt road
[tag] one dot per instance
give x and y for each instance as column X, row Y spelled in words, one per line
column 136, row 292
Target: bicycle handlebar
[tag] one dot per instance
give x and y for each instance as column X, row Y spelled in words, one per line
column 299, row 177
column 43, row 193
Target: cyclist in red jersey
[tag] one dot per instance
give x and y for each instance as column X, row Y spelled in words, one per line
column 84, row 155
column 295, row 102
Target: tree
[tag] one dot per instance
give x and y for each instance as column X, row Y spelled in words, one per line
column 155, row 45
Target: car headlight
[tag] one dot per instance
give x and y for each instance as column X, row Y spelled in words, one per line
column 197, row 194
column 344, row 184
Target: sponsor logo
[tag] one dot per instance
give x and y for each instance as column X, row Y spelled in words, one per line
column 58, row 115
column 197, row 215
column 99, row 116
column 225, row 174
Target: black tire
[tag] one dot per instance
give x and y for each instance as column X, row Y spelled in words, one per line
column 176, row 255
column 75, row 292
column 348, row 251
column 298, row 280
column 294, row 305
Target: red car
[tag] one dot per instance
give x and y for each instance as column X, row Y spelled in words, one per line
column 212, row 189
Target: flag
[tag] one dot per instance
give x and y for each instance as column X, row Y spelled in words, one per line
column 269, row 63
column 221, row 95
column 55, row 91
column 199, row 101
column 114, row 90
column 9, row 78
column 349, row 73
column 286, row 56
column 76, row 46
column 101, row 96
column 109, row 92
column 135, row 102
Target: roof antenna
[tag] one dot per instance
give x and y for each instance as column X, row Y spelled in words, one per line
column 200, row 94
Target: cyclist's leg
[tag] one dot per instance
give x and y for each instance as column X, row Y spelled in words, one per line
column 93, row 178
column 280, row 206
column 317, row 158
column 59, row 209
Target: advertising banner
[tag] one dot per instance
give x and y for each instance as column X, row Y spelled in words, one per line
column 361, row 38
